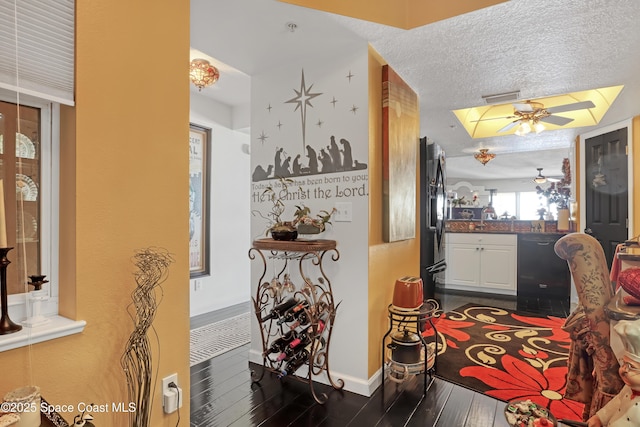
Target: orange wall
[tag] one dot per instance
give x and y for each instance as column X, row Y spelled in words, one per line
column 387, row 261
column 124, row 187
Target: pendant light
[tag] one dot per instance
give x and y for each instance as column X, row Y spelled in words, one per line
column 202, row 73
column 484, row 156
column 540, row 179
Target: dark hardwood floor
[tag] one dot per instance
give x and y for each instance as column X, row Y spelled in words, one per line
column 222, row 393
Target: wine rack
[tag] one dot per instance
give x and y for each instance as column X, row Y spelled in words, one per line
column 295, row 333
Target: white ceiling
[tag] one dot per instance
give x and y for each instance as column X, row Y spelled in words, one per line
column 540, row 48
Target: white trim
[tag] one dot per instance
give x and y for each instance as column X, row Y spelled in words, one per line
column 49, row 235
column 364, row 387
column 38, row 94
column 601, row 131
column 57, row 327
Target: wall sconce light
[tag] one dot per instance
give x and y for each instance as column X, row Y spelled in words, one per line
column 202, row 73
column 483, row 156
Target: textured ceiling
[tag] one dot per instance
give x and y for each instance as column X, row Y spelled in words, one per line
column 540, row 48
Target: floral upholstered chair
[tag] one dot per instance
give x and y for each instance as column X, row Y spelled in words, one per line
column 593, row 376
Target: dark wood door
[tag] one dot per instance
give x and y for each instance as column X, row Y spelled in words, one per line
column 607, row 190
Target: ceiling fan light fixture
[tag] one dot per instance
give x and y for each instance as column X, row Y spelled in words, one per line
column 523, row 129
column 538, row 127
column 484, row 156
column 540, row 179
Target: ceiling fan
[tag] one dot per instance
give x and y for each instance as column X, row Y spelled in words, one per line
column 541, row 179
column 530, row 115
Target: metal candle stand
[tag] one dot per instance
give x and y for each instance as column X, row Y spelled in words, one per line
column 417, row 320
column 6, row 325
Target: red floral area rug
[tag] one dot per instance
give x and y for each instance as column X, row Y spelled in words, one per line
column 506, row 356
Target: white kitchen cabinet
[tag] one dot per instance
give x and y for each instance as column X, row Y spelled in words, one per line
column 482, row 262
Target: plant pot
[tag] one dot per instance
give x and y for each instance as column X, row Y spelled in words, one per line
column 309, row 229
column 287, row 235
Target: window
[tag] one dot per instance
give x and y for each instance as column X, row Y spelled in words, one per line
column 20, row 157
column 33, row 171
column 524, row 204
column 505, row 203
column 29, row 164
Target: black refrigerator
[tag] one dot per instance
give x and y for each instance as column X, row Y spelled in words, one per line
column 432, row 214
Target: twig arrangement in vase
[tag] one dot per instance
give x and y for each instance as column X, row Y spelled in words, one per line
column 153, row 267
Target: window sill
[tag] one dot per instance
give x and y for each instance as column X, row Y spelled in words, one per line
column 57, row 327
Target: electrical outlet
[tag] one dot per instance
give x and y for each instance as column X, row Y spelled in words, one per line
column 171, row 397
column 197, row 285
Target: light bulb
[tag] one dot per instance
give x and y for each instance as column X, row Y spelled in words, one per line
column 523, row 129
column 538, row 127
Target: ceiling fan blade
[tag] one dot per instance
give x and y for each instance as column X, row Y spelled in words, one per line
column 570, row 107
column 493, row 118
column 556, row 120
column 525, row 108
column 509, row 126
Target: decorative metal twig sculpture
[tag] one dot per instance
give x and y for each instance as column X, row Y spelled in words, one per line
column 153, row 264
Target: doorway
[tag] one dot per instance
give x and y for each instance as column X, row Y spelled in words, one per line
column 605, row 187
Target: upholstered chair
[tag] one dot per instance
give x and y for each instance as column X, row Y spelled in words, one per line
column 593, row 368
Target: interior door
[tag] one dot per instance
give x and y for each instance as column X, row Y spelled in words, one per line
column 606, row 189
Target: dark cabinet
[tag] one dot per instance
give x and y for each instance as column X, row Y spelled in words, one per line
column 541, row 273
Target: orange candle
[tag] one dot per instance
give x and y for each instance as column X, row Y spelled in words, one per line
column 3, row 218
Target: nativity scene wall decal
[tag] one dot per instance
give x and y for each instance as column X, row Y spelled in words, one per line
column 314, row 157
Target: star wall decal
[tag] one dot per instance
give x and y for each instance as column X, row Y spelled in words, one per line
column 349, row 76
column 333, row 101
column 302, row 100
column 320, row 123
column 353, row 109
column 279, row 125
column 269, row 107
column 263, row 137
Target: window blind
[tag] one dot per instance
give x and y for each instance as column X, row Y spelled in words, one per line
column 44, row 64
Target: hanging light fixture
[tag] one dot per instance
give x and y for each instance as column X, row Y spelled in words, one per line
column 540, row 179
column 202, row 73
column 483, row 156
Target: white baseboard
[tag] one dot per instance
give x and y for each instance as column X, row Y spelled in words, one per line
column 362, row 386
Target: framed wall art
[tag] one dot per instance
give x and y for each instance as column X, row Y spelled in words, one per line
column 199, row 166
column 400, row 136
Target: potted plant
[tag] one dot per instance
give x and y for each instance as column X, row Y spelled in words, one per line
column 278, row 228
column 307, row 224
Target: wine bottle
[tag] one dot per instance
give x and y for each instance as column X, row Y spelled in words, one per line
column 279, row 309
column 292, row 365
column 294, row 312
column 305, row 336
column 301, row 320
column 316, row 311
column 281, row 343
column 290, row 352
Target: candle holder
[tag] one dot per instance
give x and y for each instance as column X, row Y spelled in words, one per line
column 6, row 325
column 35, row 298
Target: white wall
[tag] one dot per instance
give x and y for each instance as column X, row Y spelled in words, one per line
column 329, row 79
column 229, row 281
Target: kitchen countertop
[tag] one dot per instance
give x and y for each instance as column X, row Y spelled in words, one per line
column 503, row 226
